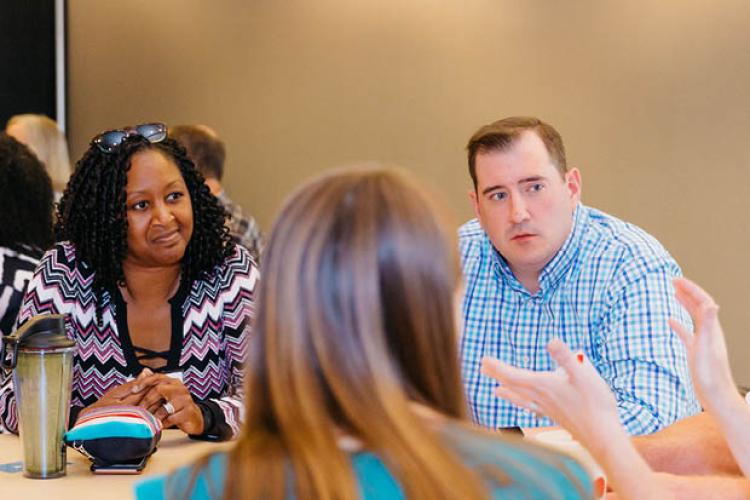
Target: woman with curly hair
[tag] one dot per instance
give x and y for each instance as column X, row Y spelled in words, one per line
column 157, row 298
column 25, row 224
column 354, row 365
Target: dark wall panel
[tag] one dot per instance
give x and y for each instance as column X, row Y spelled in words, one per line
column 27, row 58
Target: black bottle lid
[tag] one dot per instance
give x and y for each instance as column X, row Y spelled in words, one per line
column 43, row 332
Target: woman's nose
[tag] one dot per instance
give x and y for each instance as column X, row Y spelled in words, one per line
column 162, row 213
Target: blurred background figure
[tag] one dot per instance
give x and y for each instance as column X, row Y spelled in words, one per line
column 25, row 223
column 44, row 138
column 208, row 153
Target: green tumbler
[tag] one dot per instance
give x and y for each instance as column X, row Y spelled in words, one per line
column 41, row 357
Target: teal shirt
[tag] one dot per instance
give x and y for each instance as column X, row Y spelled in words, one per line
column 532, row 472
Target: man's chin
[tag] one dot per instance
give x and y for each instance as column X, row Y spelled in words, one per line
column 525, row 259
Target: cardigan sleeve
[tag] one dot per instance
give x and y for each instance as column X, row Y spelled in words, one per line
column 223, row 415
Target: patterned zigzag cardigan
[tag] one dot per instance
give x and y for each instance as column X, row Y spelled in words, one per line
column 211, row 319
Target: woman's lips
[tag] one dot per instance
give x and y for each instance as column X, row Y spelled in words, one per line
column 167, row 238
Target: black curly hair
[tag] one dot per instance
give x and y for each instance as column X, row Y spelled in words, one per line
column 92, row 213
column 25, row 199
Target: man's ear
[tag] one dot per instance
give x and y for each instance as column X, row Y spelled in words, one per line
column 573, row 183
column 474, row 201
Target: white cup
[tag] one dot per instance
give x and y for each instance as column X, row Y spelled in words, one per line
column 561, row 440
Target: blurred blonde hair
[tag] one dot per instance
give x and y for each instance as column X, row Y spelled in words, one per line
column 42, row 135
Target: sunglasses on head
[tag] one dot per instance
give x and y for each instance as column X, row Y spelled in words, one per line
column 109, row 140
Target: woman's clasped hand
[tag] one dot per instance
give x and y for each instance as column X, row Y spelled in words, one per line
column 165, row 396
column 170, row 401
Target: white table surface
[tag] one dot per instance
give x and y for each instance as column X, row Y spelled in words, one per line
column 175, row 449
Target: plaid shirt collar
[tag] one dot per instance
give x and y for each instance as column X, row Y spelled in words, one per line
column 556, row 268
column 222, row 196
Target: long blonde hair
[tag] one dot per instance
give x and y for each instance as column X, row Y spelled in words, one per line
column 47, row 142
column 355, row 324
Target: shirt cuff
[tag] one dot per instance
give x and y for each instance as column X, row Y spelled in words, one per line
column 214, row 427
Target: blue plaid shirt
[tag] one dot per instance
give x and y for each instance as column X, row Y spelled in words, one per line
column 608, row 292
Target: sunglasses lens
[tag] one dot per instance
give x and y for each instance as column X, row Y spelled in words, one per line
column 109, row 140
column 154, row 132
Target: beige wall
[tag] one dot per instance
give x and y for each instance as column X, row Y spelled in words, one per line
column 651, row 97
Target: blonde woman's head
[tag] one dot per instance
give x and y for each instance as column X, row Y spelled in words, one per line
column 43, row 137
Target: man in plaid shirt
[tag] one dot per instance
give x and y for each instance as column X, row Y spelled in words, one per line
column 208, row 153
column 539, row 264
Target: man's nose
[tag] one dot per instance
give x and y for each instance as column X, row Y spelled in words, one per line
column 519, row 211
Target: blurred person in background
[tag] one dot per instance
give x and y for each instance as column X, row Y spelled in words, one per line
column 25, row 224
column 208, row 154
column 47, row 142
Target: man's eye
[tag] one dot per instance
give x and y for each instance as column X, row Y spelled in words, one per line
column 498, row 196
column 536, row 187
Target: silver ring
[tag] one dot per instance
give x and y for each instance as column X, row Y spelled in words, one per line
column 168, row 408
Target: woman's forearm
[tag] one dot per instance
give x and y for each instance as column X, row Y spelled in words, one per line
column 627, row 472
column 705, row 487
column 733, row 417
column 693, row 445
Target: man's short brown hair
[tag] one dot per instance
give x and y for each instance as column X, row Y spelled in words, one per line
column 500, row 135
column 203, row 147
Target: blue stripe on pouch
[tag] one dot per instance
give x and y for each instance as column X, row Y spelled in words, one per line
column 109, row 430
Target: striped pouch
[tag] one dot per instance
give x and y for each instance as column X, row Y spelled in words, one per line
column 115, row 434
